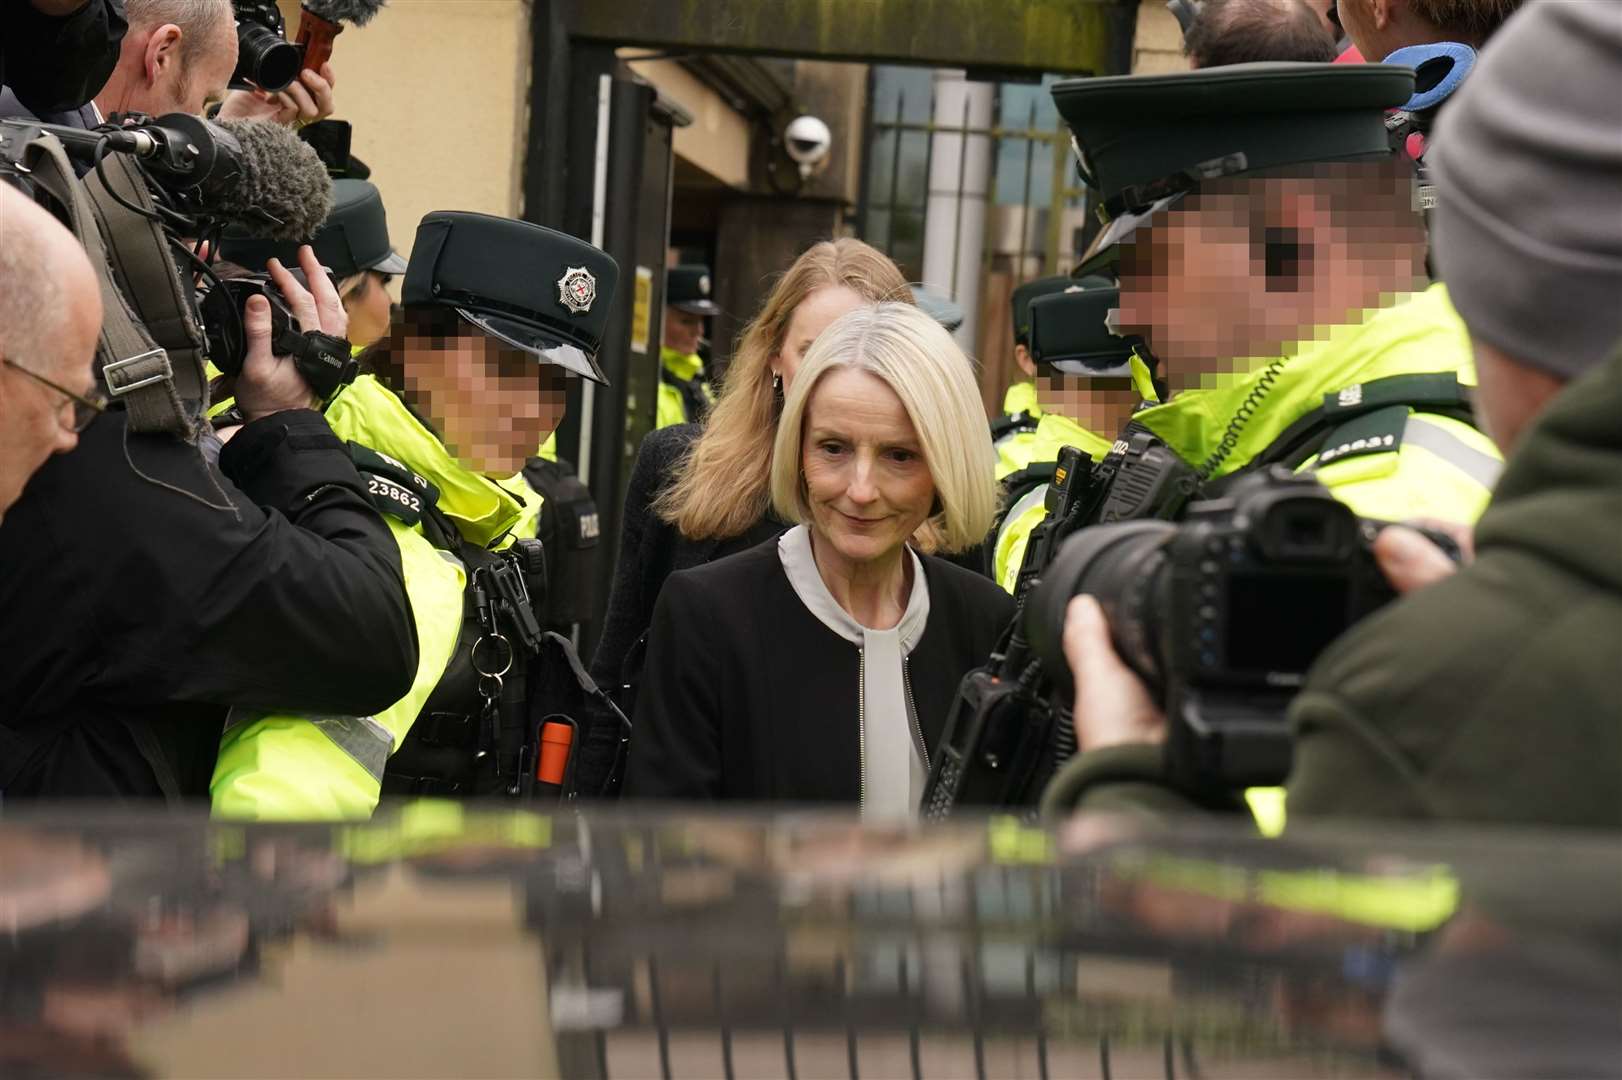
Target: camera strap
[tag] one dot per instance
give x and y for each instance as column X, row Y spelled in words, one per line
column 168, row 393
column 131, row 354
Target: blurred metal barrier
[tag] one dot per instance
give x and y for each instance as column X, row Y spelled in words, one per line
column 451, row 940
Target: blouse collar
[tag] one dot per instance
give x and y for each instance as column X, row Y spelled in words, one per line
column 794, row 549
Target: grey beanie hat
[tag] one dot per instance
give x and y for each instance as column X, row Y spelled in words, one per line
column 1527, row 231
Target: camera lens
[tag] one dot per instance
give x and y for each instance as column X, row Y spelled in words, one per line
column 1122, row 566
column 265, row 58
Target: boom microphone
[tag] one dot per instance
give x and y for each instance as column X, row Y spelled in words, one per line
column 283, row 191
column 323, row 20
column 250, row 173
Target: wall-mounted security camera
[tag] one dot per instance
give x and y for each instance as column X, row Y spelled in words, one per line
column 807, row 140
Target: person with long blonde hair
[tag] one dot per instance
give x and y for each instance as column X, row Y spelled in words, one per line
column 697, row 495
column 830, row 657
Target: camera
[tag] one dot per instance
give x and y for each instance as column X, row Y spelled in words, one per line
column 1221, row 615
column 807, row 140
column 325, row 361
column 265, row 58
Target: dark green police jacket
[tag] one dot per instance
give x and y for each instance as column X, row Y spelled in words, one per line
column 1494, row 696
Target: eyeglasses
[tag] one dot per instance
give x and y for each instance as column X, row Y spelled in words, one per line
column 85, row 409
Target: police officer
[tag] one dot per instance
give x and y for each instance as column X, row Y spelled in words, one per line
column 497, row 316
column 354, row 245
column 1270, row 251
column 1088, row 382
column 1013, row 432
column 684, row 388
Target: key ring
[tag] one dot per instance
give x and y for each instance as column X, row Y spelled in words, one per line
column 490, row 688
column 485, row 671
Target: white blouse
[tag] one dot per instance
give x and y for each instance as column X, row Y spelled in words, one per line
column 891, row 753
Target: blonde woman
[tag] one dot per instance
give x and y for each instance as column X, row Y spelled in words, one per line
column 820, row 668
column 695, row 497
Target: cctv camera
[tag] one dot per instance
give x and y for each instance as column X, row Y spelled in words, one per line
column 807, row 140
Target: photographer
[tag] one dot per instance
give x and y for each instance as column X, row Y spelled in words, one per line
column 1490, row 696
column 179, row 56
column 147, row 590
column 55, row 54
column 50, row 310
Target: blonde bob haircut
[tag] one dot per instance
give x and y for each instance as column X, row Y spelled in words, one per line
column 918, row 359
column 720, row 488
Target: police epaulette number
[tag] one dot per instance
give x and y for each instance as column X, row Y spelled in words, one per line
column 394, row 488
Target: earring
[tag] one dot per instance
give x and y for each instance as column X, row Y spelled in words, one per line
column 777, row 385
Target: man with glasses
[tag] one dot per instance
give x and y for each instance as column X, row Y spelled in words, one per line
column 151, row 587
column 50, row 315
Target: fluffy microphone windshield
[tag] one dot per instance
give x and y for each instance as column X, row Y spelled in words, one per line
column 281, row 177
column 353, row 12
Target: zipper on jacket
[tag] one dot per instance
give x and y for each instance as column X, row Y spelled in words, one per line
column 912, row 711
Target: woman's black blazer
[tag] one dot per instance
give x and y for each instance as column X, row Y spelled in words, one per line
column 747, row 695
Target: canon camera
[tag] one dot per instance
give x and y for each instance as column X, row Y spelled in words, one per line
column 324, row 360
column 265, row 58
column 1220, row 614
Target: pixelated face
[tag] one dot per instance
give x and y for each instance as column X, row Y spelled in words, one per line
column 1102, row 406
column 492, row 404
column 683, row 330
column 1244, row 271
column 867, row 483
column 811, row 318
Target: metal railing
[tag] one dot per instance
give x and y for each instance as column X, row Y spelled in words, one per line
column 1065, row 196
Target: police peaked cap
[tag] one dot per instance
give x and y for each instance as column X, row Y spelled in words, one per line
column 1143, row 141
column 354, row 237
column 1023, row 295
column 1070, row 333
column 539, row 290
column 687, row 288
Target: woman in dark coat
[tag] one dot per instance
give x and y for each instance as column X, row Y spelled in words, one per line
column 699, row 494
column 820, row 666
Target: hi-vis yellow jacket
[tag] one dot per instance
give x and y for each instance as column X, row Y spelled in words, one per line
column 671, row 408
column 274, row 767
column 1418, row 464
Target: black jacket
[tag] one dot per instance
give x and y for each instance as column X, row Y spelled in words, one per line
column 747, row 695
column 141, row 593
column 650, row 550
column 58, row 64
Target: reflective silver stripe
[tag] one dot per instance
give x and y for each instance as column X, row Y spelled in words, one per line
column 361, row 737
column 1480, row 467
column 1031, row 498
